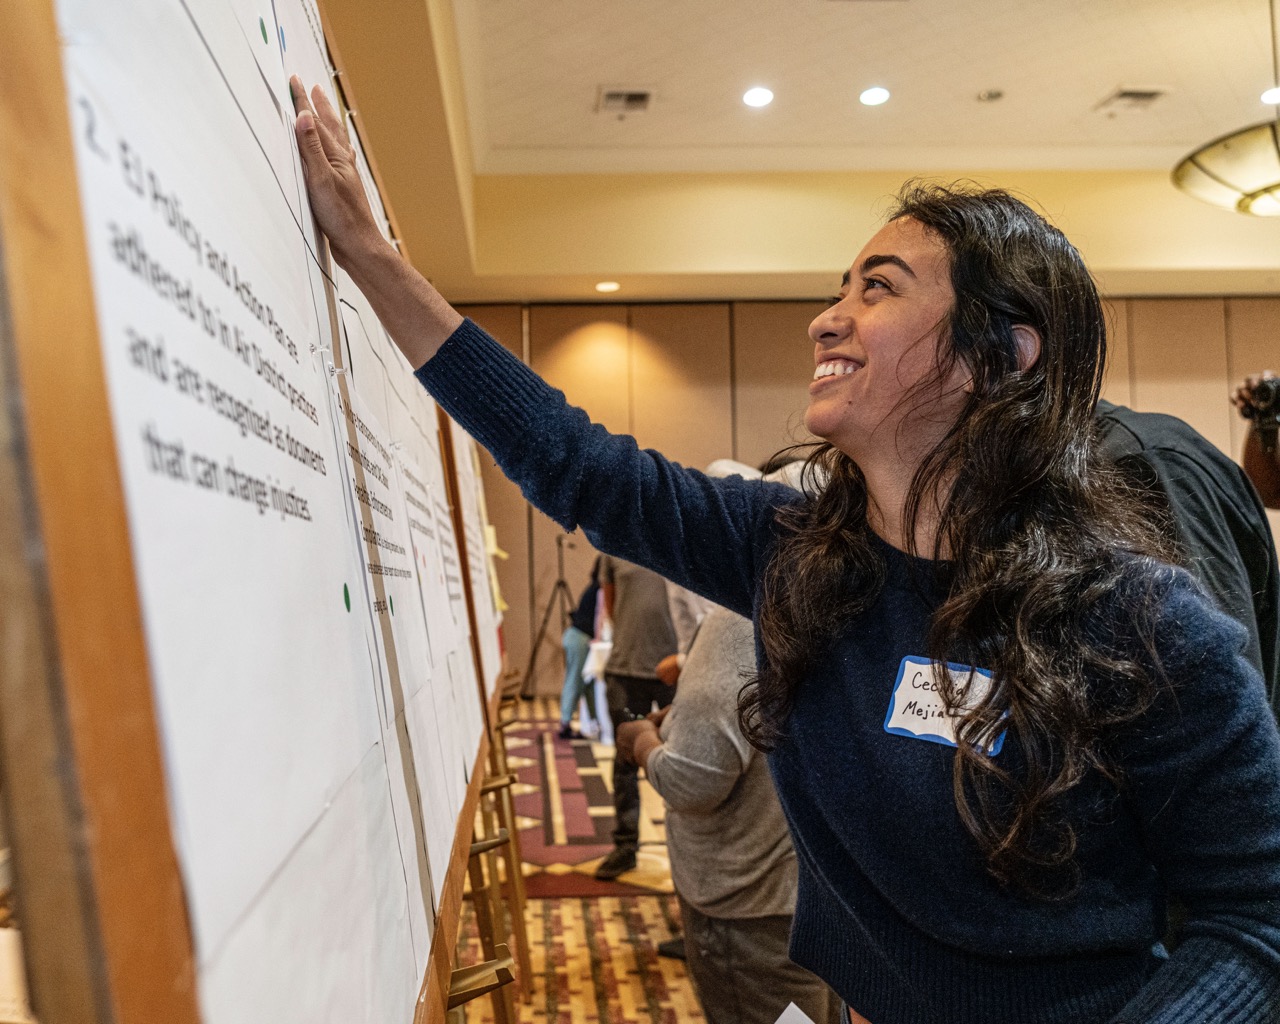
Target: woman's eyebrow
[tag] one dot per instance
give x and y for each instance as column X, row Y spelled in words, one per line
column 871, row 262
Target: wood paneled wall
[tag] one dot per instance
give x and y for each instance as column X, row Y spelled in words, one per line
column 700, row 381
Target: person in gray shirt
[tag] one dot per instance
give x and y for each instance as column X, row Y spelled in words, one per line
column 635, row 600
column 732, row 861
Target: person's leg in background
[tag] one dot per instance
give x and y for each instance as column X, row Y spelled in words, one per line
column 742, row 974
column 628, row 696
column 576, row 647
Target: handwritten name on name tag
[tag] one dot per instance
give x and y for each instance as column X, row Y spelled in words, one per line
column 917, row 710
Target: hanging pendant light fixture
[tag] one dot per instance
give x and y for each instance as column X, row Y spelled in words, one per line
column 1240, row 171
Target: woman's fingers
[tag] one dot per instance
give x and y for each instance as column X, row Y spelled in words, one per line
column 338, row 201
column 329, row 117
column 304, row 128
column 333, row 136
column 298, row 94
column 317, row 117
column 336, row 152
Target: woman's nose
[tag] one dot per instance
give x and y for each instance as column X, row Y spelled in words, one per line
column 830, row 325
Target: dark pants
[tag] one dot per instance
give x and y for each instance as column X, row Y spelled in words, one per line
column 629, row 696
column 742, row 974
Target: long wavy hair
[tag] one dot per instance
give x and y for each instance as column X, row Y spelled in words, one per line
column 1034, row 527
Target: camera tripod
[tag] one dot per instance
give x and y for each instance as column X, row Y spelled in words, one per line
column 560, row 595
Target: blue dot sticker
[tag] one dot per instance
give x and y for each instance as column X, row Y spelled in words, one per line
column 282, row 45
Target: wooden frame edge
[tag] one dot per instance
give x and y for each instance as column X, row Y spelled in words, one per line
column 434, row 995
column 110, row 753
column 326, row 25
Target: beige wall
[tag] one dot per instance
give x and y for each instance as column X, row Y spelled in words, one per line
column 699, row 381
column 670, row 236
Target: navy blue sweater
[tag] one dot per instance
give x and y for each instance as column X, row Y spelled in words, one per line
column 896, row 910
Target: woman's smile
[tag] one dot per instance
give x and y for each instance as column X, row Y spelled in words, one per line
column 831, row 370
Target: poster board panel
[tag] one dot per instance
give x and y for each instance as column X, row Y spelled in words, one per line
column 235, row 674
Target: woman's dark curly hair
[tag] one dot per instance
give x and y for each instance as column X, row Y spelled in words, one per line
column 1034, row 528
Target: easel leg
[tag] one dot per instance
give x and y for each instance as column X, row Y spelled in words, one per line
column 505, row 814
column 506, row 818
column 481, row 895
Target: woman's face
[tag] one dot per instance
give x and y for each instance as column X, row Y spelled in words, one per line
column 878, row 341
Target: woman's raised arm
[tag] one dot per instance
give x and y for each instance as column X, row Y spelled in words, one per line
column 416, row 316
column 710, row 536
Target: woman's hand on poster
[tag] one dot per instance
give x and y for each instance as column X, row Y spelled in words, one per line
column 416, row 316
column 338, row 199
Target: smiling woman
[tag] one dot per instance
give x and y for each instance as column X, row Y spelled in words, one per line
column 886, row 325
column 1092, row 746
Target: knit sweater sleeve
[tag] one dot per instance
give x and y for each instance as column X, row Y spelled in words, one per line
column 711, row 536
column 1202, row 772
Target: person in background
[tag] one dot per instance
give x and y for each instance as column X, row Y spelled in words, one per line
column 635, row 601
column 732, row 861
column 1262, row 465
column 582, row 629
column 1207, row 504
column 1004, row 730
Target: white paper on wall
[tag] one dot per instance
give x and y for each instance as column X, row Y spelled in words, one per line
column 303, row 783
column 220, row 415
column 439, row 704
column 329, row 942
column 462, row 670
column 382, row 535
column 478, row 558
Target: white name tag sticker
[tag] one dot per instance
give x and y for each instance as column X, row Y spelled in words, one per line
column 917, row 710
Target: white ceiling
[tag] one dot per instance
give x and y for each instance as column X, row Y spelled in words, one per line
column 507, row 186
column 532, row 69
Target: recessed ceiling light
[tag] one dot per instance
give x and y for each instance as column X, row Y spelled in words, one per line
column 608, row 286
column 874, row 96
column 1271, row 97
column 758, row 97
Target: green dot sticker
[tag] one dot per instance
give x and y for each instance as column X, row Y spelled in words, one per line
column 392, row 601
column 346, row 597
column 263, row 25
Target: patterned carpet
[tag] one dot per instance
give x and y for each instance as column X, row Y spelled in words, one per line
column 595, row 962
column 564, row 808
column 593, row 945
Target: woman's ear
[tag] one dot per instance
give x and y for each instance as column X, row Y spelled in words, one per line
column 1026, row 340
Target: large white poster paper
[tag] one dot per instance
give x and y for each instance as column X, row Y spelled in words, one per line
column 476, row 531
column 221, row 421
column 295, row 693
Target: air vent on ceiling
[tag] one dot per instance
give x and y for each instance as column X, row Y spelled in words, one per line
column 621, row 102
column 1128, row 98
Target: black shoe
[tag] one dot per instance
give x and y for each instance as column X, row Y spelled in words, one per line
column 568, row 732
column 673, row 949
column 617, row 863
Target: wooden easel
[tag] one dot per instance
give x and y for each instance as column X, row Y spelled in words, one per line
column 498, row 923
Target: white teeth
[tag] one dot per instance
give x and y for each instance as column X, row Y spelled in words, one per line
column 832, row 368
